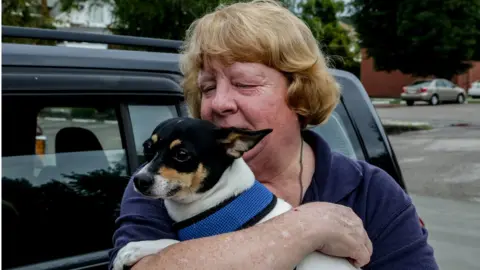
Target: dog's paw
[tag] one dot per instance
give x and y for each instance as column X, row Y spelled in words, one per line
column 128, row 255
column 134, row 251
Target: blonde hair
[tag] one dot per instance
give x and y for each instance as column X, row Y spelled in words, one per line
column 262, row 31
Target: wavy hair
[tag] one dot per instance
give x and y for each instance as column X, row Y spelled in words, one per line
column 262, row 31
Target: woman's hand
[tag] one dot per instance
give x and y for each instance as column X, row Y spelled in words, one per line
column 340, row 231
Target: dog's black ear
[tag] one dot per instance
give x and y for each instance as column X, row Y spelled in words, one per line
column 148, row 147
column 238, row 141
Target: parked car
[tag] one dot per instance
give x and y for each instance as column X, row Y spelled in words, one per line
column 433, row 91
column 474, row 90
column 61, row 215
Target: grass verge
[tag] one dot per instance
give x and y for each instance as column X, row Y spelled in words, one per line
column 398, row 127
column 473, row 101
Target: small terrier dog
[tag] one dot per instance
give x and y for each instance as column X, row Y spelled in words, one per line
column 208, row 189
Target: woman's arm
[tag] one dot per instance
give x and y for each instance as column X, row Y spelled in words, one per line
column 280, row 243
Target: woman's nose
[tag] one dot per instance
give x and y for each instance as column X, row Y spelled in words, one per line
column 223, row 102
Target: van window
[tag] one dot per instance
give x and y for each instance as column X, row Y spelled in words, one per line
column 144, row 119
column 63, row 176
column 340, row 135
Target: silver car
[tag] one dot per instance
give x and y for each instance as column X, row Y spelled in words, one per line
column 474, row 91
column 433, row 91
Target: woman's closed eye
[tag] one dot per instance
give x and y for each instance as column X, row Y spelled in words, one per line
column 244, row 85
column 208, row 88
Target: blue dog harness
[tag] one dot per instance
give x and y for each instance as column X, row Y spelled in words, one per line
column 236, row 213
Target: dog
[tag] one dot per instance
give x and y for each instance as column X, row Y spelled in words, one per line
column 198, row 170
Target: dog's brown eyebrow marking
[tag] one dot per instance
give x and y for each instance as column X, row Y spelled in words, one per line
column 231, row 137
column 154, row 138
column 175, row 142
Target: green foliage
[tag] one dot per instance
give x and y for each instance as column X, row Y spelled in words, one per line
column 26, row 13
column 166, row 19
column 81, row 211
column 420, row 37
column 340, row 47
column 84, row 113
column 169, row 19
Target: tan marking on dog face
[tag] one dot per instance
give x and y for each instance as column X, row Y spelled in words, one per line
column 231, row 137
column 183, row 179
column 191, row 182
column 235, row 144
column 154, row 138
column 199, row 177
column 175, row 142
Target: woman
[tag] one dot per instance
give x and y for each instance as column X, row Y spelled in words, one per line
column 255, row 65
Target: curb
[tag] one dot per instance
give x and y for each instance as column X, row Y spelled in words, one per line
column 472, row 101
column 382, row 101
column 404, row 123
column 79, row 120
column 394, row 127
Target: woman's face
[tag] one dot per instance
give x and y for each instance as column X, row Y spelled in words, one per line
column 251, row 96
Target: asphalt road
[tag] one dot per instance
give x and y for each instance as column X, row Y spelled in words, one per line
column 454, row 231
column 442, row 162
column 438, row 116
column 441, row 168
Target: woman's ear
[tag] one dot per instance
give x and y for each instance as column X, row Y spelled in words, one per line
column 238, row 141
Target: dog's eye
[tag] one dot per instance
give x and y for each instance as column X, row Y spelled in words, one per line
column 181, row 155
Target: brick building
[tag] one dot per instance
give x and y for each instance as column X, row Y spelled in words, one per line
column 389, row 85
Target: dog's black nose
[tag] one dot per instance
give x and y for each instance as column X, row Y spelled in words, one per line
column 142, row 182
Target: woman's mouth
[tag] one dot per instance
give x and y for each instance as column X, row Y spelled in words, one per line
column 235, row 127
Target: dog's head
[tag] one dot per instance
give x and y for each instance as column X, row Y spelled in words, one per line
column 188, row 156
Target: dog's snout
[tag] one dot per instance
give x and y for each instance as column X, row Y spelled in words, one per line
column 143, row 182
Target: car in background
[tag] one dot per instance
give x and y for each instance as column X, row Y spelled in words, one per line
column 433, row 91
column 474, row 91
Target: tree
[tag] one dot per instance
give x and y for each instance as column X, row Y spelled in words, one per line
column 26, row 13
column 167, row 19
column 84, row 209
column 419, row 37
column 337, row 43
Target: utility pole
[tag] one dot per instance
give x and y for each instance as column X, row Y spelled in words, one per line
column 44, row 8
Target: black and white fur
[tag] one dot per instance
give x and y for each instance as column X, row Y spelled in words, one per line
column 235, row 178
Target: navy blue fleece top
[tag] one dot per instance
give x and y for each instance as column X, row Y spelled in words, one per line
column 391, row 221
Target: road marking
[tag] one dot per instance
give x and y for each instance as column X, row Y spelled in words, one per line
column 462, row 145
column 463, row 173
column 412, row 160
column 79, row 120
column 54, row 119
column 475, row 199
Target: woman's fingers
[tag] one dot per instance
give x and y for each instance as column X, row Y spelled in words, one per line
column 341, row 231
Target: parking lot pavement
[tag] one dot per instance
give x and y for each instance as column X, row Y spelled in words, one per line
column 443, row 162
column 441, row 168
column 438, row 116
column 454, row 231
